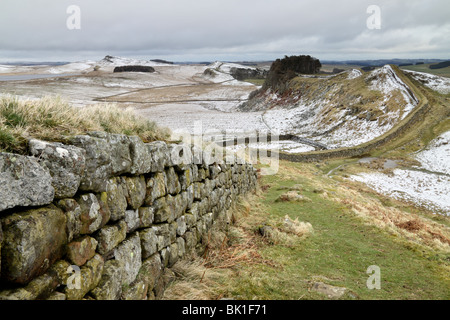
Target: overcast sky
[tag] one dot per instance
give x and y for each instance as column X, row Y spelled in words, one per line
column 205, row 30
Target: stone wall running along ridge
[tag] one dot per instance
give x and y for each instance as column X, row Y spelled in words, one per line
column 106, row 215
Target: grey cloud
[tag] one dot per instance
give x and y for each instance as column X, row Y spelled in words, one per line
column 234, row 29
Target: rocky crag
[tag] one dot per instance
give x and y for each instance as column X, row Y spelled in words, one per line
column 108, row 215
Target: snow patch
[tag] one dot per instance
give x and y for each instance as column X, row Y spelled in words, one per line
column 436, row 83
column 387, row 81
column 431, row 191
column 353, row 74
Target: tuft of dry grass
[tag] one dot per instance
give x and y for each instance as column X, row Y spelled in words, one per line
column 408, row 224
column 194, row 281
column 296, row 227
column 53, row 119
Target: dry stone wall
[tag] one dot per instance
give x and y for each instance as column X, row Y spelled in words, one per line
column 104, row 217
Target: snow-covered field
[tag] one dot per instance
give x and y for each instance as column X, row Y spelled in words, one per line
column 427, row 186
column 436, row 83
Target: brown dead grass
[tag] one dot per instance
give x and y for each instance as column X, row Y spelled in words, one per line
column 53, row 119
column 407, row 224
column 206, row 276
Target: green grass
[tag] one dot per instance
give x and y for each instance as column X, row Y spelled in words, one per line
column 257, row 82
column 443, row 72
column 338, row 253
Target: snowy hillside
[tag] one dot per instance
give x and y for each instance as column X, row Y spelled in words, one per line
column 427, row 185
column 436, row 83
column 106, row 64
column 339, row 111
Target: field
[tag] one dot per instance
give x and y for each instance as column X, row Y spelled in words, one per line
column 443, row 72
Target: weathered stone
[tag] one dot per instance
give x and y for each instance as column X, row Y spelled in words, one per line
column 73, row 213
column 201, row 174
column 128, row 253
column 110, row 285
column 331, row 292
column 189, row 193
column 149, row 242
column 292, row 196
column 185, row 177
column 185, row 202
column 179, row 154
column 135, row 191
column 191, row 217
column 172, row 183
column 65, row 163
column 141, row 157
column 146, row 216
column 56, row 296
column 162, row 232
column 195, row 174
column 91, row 218
column 90, row 276
column 151, row 269
column 160, row 155
column 173, row 231
column 181, row 226
column 156, row 188
column 24, row 182
column 173, row 254
column 132, row 220
column 119, row 147
column 98, row 162
column 81, row 250
column 33, row 240
column 163, row 209
column 109, row 237
column 181, row 244
column 190, row 240
column 38, row 288
column 60, row 269
column 116, row 200
column 165, row 253
column 137, row 290
column 104, row 211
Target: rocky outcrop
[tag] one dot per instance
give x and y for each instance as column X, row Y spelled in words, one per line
column 248, row 73
column 138, row 209
column 134, row 69
column 283, row 70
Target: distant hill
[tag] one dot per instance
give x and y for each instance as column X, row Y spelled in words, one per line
column 382, row 62
column 440, row 65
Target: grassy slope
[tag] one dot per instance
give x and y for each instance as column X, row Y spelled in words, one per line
column 354, row 227
column 339, row 252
